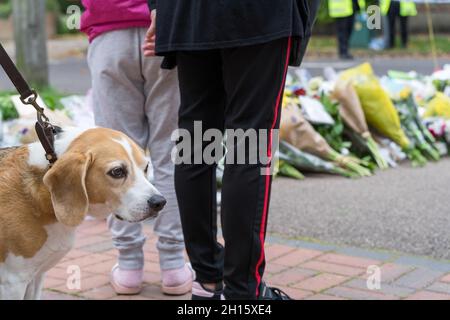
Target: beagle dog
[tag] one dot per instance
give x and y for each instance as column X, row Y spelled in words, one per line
column 99, row 171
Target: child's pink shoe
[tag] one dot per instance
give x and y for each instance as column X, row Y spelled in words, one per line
column 177, row 282
column 126, row 281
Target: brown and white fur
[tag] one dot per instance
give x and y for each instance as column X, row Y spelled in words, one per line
column 98, row 171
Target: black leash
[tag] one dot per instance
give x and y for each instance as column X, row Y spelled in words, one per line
column 44, row 129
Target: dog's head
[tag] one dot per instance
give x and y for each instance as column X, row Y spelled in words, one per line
column 102, row 171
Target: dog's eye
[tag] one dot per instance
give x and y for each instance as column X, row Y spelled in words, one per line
column 146, row 169
column 118, row 172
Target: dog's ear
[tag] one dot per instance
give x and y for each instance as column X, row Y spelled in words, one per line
column 67, row 186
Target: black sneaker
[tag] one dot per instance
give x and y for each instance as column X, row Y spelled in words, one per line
column 270, row 293
column 199, row 292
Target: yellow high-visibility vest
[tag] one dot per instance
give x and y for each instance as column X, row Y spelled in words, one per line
column 362, row 4
column 343, row 8
column 407, row 8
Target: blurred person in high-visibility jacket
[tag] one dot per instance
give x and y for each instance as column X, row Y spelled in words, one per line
column 344, row 11
column 398, row 10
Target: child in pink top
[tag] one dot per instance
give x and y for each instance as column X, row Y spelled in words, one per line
column 102, row 16
column 132, row 94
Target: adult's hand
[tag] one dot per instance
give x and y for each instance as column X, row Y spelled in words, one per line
column 149, row 43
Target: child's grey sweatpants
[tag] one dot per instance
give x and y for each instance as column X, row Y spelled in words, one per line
column 132, row 94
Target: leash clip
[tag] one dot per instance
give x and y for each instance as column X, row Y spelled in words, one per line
column 44, row 129
column 32, row 100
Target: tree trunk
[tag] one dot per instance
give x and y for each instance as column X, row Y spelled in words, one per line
column 30, row 38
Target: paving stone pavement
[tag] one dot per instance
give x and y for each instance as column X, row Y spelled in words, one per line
column 303, row 270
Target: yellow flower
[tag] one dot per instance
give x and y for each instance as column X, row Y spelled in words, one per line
column 405, row 93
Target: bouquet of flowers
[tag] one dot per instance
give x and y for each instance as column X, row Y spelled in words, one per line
column 352, row 114
column 379, row 109
column 298, row 132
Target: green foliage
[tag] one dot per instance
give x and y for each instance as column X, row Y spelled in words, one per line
column 286, row 170
column 5, row 9
column 55, row 6
column 333, row 134
column 52, row 6
column 7, row 108
column 61, row 27
column 440, row 85
column 322, row 15
column 50, row 96
column 419, row 44
column 64, row 4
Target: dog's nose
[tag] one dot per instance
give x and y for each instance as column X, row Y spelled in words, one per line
column 157, row 202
